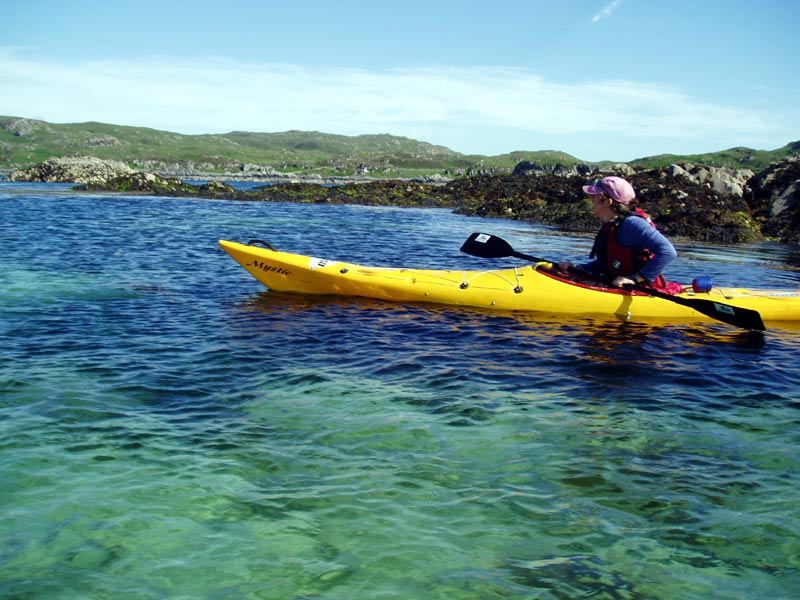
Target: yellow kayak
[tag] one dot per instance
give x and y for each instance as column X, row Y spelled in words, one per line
column 531, row 288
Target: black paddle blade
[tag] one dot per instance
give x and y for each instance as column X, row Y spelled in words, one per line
column 484, row 245
column 732, row 315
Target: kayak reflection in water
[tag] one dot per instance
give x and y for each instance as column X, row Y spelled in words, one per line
column 628, row 248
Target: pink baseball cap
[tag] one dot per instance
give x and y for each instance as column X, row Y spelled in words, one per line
column 615, row 188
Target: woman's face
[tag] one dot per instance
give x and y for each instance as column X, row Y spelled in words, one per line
column 601, row 207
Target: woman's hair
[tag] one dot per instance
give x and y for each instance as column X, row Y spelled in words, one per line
column 621, row 209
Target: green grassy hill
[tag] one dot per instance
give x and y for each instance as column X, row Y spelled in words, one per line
column 24, row 142
column 734, row 158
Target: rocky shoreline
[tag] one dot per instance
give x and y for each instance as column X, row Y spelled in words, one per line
column 686, row 200
column 88, row 169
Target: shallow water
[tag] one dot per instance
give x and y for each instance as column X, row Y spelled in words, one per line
column 172, row 430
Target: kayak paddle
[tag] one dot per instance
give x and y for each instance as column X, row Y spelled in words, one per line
column 485, row 245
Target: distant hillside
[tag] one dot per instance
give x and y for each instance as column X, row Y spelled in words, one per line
column 733, row 158
column 25, row 142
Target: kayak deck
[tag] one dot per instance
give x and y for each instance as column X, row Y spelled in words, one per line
column 532, row 288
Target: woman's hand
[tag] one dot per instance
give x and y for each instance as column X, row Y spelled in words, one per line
column 622, row 281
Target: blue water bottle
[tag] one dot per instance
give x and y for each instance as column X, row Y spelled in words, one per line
column 702, row 284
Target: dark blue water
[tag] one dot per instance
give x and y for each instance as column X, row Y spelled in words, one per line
column 170, row 429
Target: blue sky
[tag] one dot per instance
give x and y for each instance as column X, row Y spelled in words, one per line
column 605, row 79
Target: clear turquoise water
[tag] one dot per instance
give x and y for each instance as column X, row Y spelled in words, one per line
column 169, row 429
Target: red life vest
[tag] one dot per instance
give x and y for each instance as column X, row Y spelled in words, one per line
column 614, row 258
column 618, row 260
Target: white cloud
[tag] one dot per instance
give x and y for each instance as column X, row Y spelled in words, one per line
column 607, row 10
column 474, row 110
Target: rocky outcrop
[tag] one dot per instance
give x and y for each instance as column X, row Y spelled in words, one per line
column 719, row 179
column 19, row 127
column 536, row 170
column 682, row 206
column 691, row 201
column 773, row 197
column 148, row 183
column 82, row 169
column 102, row 141
column 687, row 200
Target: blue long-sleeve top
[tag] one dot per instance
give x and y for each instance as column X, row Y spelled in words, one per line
column 638, row 233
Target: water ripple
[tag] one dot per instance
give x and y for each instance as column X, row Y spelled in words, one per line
column 171, row 428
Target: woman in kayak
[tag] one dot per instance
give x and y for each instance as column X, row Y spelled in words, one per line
column 628, row 247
